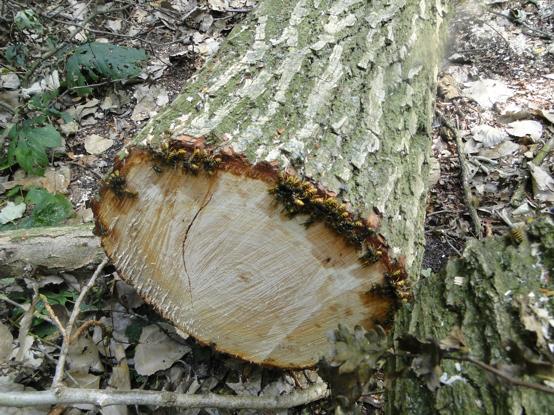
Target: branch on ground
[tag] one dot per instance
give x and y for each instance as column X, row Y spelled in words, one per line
column 67, row 396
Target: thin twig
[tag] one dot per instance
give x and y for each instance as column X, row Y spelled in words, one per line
column 105, row 397
column 452, row 246
column 84, row 327
column 60, row 367
column 88, row 169
column 464, row 176
column 21, row 306
column 438, row 212
column 542, row 34
column 52, row 314
column 499, row 34
column 121, row 35
column 501, row 374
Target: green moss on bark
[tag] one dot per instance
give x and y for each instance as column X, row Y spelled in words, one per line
column 495, row 294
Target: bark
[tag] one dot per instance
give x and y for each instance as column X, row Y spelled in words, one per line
column 500, row 295
column 321, row 106
column 52, row 249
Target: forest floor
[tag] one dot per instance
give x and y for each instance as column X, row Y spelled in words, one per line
column 496, row 88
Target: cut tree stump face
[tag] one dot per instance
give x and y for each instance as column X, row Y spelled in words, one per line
column 217, row 255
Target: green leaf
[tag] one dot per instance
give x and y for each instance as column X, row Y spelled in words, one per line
column 14, row 192
column 28, row 147
column 43, row 330
column 27, row 19
column 49, row 209
column 42, row 101
column 66, row 117
column 134, row 330
column 60, row 298
column 98, row 61
column 16, row 54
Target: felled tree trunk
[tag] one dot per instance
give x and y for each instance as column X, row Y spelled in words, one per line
column 284, row 190
column 499, row 296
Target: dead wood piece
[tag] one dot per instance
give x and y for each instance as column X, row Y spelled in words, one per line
column 104, row 398
column 65, row 248
column 464, row 175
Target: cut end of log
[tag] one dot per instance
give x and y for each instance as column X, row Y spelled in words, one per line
column 256, row 263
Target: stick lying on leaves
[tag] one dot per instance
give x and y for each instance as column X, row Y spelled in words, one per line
column 464, row 176
column 64, row 395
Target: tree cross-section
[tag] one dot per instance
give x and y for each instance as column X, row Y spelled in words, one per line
column 283, row 191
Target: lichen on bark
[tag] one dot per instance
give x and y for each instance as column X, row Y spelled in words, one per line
column 498, row 294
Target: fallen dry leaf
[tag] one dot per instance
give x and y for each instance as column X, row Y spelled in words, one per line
column 83, row 356
column 503, row 149
column 525, row 128
column 69, row 128
column 156, row 351
column 447, row 87
column 11, row 212
column 488, row 136
column 96, row 144
column 55, row 180
column 6, row 340
column 548, row 115
column 147, row 101
column 487, row 92
column 543, row 183
column 119, row 380
column 9, row 81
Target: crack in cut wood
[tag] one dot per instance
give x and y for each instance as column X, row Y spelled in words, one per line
column 186, row 238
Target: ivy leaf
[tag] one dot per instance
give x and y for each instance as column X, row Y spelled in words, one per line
column 59, row 298
column 42, row 101
column 27, row 19
column 97, row 61
column 49, row 209
column 16, row 54
column 28, row 147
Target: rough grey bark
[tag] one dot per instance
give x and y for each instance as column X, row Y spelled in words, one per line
column 500, row 295
column 52, row 249
column 339, row 90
